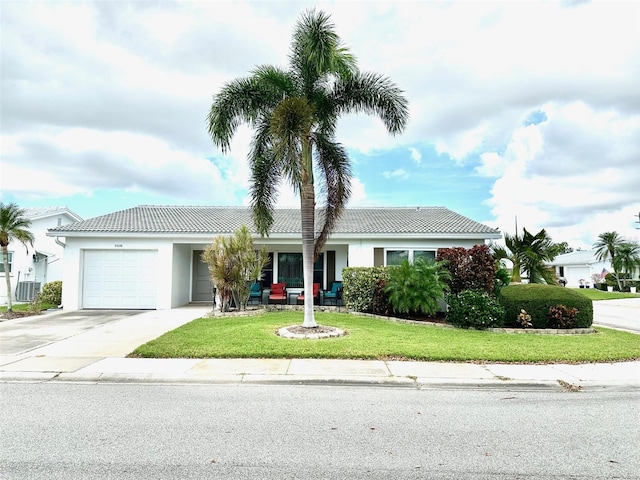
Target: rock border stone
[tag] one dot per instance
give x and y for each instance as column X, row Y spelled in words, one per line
column 313, row 333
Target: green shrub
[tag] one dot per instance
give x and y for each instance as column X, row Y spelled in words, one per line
column 52, row 293
column 503, row 278
column 537, row 299
column 474, row 309
column 359, row 285
column 610, row 280
column 416, row 288
column 380, row 303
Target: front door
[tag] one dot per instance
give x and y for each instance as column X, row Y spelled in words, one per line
column 202, row 287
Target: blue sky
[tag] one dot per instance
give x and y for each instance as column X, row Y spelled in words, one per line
column 103, row 106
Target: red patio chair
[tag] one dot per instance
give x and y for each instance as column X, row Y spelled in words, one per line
column 278, row 293
column 316, row 294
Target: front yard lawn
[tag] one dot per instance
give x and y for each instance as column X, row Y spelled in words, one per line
column 370, row 338
column 595, row 294
column 25, row 307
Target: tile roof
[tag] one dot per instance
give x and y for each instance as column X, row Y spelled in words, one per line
column 39, row 212
column 223, row 220
column 578, row 257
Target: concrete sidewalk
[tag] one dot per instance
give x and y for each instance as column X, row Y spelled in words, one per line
column 98, row 356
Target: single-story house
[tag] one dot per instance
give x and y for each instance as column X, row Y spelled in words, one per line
column 579, row 267
column 31, row 267
column 148, row 257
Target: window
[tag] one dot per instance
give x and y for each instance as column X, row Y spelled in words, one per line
column 267, row 272
column 290, row 269
column 425, row 254
column 318, row 269
column 395, row 257
column 2, row 262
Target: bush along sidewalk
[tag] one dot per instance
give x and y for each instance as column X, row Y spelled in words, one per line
column 548, row 306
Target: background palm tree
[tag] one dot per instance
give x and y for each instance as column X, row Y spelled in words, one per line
column 13, row 226
column 528, row 253
column 606, row 248
column 294, row 113
column 607, row 244
column 627, row 260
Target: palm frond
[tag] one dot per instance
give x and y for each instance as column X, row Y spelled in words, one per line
column 265, row 177
column 317, row 51
column 14, row 225
column 335, row 166
column 244, row 100
column 375, row 94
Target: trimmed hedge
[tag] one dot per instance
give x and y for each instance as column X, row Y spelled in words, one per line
column 474, row 309
column 536, row 299
column 52, row 293
column 360, row 285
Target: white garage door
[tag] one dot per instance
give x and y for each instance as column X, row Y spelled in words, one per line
column 120, row 279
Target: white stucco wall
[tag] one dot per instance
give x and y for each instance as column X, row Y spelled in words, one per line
column 361, row 252
column 181, row 278
column 174, row 261
column 46, row 268
column 72, row 279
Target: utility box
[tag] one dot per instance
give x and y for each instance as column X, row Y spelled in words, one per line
column 27, row 290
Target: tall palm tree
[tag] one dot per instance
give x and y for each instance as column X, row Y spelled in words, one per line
column 528, row 253
column 606, row 248
column 294, row 114
column 13, row 226
column 627, row 259
column 607, row 244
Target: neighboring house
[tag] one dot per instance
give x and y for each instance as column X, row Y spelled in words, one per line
column 579, row 267
column 149, row 256
column 31, row 267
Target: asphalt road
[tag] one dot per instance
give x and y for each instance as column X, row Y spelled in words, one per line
column 622, row 314
column 133, row 431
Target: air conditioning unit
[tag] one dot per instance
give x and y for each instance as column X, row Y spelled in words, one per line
column 27, row 290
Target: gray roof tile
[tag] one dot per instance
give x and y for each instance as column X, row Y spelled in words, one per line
column 146, row 219
column 39, row 212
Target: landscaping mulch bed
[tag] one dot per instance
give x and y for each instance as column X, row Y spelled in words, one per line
column 12, row 315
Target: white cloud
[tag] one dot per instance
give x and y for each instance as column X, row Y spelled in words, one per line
column 573, row 174
column 492, row 165
column 416, row 156
column 115, row 96
column 399, row 173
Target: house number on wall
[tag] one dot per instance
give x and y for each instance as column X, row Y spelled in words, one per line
column 118, row 245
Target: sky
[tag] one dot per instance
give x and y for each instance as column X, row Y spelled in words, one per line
column 518, row 110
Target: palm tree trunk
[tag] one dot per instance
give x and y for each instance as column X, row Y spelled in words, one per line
column 7, row 276
column 307, row 204
column 515, row 273
column 307, row 213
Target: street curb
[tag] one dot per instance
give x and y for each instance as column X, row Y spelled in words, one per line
column 295, row 380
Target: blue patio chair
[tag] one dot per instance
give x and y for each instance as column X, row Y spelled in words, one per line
column 255, row 293
column 334, row 294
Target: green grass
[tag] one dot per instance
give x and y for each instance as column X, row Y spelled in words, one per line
column 369, row 338
column 595, row 294
column 24, row 307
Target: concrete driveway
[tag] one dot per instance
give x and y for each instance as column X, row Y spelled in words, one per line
column 28, row 333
